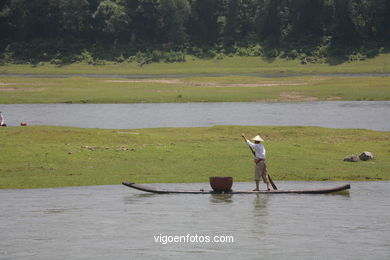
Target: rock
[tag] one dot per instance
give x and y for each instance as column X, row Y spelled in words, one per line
column 351, row 158
column 365, row 156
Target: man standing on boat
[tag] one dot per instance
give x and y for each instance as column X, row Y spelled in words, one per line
column 260, row 165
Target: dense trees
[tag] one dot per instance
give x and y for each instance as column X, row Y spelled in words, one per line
column 65, row 29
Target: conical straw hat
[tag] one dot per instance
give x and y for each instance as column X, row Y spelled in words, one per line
column 258, row 138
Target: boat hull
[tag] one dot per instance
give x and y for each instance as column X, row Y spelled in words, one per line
column 162, row 191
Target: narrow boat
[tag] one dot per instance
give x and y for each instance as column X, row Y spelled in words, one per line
column 162, row 191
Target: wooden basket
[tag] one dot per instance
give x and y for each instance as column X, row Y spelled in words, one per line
column 221, row 184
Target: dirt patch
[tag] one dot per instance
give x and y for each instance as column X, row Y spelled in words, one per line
column 207, row 84
column 334, row 98
column 10, row 89
column 20, row 89
column 247, row 85
column 165, row 81
column 296, row 96
column 129, row 133
column 25, row 83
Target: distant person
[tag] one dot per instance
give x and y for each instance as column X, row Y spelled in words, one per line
column 2, row 120
column 260, row 167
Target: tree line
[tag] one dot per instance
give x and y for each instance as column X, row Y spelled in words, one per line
column 151, row 30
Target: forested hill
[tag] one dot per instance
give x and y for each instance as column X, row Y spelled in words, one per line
column 70, row 30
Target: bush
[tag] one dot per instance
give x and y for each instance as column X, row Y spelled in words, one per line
column 156, row 56
column 203, row 53
column 271, row 53
column 85, row 56
column 175, row 56
column 220, row 56
column 142, row 59
column 6, row 56
column 290, row 54
column 251, row 51
column 130, row 59
column 120, row 59
column 56, row 61
column 356, row 56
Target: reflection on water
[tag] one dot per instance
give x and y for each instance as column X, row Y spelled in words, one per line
column 260, row 213
column 115, row 222
column 260, row 202
column 134, row 198
column 221, row 198
column 55, row 211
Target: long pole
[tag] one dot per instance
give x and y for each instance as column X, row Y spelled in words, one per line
column 269, row 177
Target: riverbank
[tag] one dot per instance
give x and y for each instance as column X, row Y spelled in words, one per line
column 42, row 156
column 22, row 90
column 193, row 65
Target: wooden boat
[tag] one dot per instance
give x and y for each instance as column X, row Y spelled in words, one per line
column 161, row 191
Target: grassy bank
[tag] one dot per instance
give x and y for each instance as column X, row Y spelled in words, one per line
column 15, row 90
column 228, row 65
column 42, row 156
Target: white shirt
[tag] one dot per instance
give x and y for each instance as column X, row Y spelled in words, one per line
column 1, row 119
column 258, row 148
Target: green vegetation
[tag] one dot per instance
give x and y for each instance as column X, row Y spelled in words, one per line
column 93, row 31
column 189, row 38
column 193, row 89
column 193, row 65
column 42, row 156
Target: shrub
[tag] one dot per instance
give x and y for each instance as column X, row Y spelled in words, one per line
column 156, row 56
column 142, row 59
column 175, row 56
column 120, row 59
column 271, row 53
column 203, row 53
column 56, row 61
column 85, row 56
column 356, row 56
column 220, row 56
column 291, row 55
column 251, row 51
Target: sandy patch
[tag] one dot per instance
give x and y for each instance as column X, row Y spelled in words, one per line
column 10, row 89
column 334, row 98
column 165, row 81
column 128, row 133
column 296, row 96
column 207, row 84
column 20, row 89
column 247, row 85
column 25, row 83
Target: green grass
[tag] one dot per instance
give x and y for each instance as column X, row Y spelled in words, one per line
column 229, row 65
column 42, row 156
column 14, row 90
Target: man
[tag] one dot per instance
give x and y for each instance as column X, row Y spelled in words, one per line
column 2, row 120
column 260, row 167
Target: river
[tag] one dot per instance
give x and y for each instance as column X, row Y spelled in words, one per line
column 372, row 115
column 116, row 222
